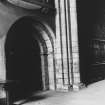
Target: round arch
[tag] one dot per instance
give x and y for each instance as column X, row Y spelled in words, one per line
column 46, row 42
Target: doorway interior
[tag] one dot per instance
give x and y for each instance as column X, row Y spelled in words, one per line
column 23, row 61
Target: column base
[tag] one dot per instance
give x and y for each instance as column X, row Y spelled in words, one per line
column 77, row 87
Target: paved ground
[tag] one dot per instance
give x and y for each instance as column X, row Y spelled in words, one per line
column 92, row 95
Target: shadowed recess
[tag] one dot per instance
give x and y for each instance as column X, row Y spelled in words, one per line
column 23, row 62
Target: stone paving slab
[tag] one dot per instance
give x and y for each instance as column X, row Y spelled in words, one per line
column 92, row 95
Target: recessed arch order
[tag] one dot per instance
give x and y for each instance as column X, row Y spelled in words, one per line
column 46, row 42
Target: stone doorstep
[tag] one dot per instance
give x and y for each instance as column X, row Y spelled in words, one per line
column 18, row 103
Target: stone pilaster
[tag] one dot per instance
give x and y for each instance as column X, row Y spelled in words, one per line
column 67, row 55
column 2, row 68
column 74, row 40
column 61, row 56
column 2, row 59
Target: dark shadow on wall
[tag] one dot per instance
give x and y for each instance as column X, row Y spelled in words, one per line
column 23, row 62
column 89, row 14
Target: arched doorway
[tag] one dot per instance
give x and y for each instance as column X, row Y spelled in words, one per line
column 25, row 49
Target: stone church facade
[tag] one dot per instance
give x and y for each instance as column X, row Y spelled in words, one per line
column 57, row 38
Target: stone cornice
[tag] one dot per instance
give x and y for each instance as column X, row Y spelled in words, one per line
column 30, row 4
